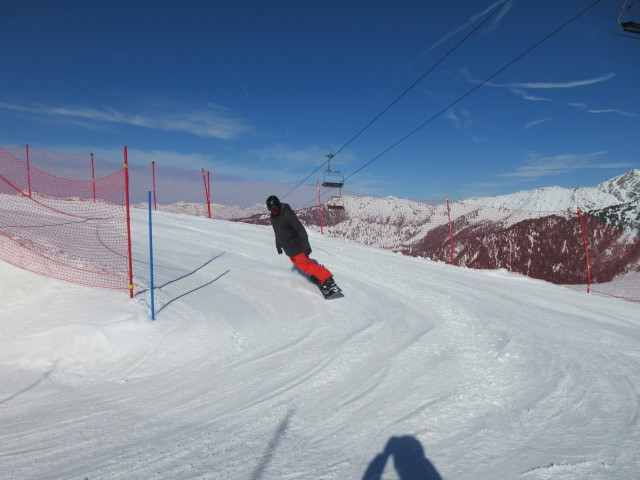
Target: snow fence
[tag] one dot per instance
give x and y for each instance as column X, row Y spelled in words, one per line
column 60, row 225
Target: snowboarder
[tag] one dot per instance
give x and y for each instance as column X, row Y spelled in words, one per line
column 292, row 237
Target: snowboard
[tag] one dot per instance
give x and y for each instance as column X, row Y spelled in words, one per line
column 335, row 292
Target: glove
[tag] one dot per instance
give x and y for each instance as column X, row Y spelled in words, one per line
column 279, row 250
column 308, row 251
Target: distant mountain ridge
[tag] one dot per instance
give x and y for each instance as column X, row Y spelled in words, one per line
column 622, row 192
column 623, row 189
column 615, row 202
column 395, row 222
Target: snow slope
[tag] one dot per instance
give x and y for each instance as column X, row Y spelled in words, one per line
column 422, row 370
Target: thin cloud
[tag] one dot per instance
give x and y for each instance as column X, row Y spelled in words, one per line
column 536, row 122
column 471, row 21
column 204, row 123
column 462, row 120
column 527, row 96
column 519, row 89
column 285, row 156
column 467, row 25
column 531, row 98
column 278, row 163
column 584, row 106
column 553, row 85
column 214, row 163
column 538, row 166
column 452, row 117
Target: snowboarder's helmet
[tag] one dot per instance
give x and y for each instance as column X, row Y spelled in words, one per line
column 273, row 203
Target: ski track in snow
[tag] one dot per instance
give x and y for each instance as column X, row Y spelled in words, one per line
column 248, row 373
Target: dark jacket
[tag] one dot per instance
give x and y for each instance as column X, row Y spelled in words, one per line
column 290, row 233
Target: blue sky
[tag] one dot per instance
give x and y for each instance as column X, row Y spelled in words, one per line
column 263, row 90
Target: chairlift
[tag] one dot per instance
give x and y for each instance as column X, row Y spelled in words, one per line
column 335, row 202
column 629, row 18
column 334, row 179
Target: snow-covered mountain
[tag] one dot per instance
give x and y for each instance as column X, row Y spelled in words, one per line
column 623, row 189
column 626, row 187
column 615, row 201
column 391, row 222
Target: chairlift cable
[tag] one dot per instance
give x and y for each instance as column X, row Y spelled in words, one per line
column 472, row 90
column 454, row 48
column 305, row 179
column 433, row 67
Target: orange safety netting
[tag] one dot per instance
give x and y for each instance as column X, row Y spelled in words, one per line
column 65, row 228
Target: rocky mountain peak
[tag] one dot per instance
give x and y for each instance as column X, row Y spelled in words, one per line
column 625, row 187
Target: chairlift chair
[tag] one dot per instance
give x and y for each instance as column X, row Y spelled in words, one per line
column 335, row 203
column 334, row 179
column 630, row 27
column 629, row 18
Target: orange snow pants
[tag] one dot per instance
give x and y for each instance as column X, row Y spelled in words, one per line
column 304, row 263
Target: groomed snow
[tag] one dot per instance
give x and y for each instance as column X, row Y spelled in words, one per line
column 422, row 370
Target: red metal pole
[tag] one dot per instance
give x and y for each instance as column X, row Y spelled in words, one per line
column 586, row 250
column 206, row 192
column 93, row 179
column 209, row 190
column 450, row 232
column 28, row 170
column 153, row 181
column 126, row 190
column 319, row 207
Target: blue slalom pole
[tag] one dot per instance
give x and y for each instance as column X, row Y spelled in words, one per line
column 153, row 308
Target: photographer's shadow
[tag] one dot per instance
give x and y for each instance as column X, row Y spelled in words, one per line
column 408, row 459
